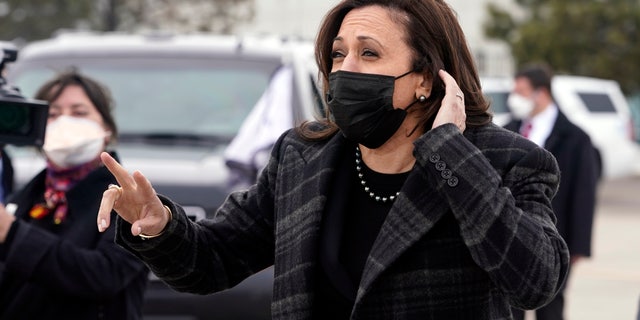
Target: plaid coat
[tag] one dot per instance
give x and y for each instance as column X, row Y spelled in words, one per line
column 471, row 232
column 574, row 204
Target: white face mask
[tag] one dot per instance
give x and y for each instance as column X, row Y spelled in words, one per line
column 520, row 106
column 71, row 141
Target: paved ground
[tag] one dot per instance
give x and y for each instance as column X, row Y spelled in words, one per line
column 607, row 286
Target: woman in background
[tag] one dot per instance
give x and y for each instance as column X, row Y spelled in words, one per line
column 54, row 264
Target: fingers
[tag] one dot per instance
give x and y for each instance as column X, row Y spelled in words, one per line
column 451, row 86
column 134, row 200
column 109, row 198
column 143, row 185
column 450, row 83
column 111, row 195
column 120, row 173
column 151, row 225
column 453, row 106
column 136, row 228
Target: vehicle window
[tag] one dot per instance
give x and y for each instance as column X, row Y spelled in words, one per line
column 597, row 102
column 498, row 101
column 167, row 98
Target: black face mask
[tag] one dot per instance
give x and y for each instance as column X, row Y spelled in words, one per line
column 362, row 106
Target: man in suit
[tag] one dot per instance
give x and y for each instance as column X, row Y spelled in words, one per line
column 537, row 117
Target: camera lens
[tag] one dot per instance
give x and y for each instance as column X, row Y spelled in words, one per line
column 14, row 118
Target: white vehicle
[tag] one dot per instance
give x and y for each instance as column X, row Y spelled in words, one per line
column 497, row 89
column 598, row 106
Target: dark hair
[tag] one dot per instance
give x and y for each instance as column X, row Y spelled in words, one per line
column 437, row 41
column 538, row 74
column 97, row 93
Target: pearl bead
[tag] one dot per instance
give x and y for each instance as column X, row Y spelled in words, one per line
column 364, row 182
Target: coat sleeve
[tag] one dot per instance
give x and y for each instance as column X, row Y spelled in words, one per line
column 62, row 266
column 503, row 208
column 213, row 254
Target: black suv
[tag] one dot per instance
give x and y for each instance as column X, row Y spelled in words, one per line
column 181, row 100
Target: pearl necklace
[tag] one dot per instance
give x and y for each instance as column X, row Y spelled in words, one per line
column 364, row 182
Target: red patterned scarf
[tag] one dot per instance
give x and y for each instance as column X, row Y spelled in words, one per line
column 57, row 183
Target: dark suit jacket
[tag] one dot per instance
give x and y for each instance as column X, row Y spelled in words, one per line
column 7, row 173
column 70, row 271
column 498, row 247
column 574, row 204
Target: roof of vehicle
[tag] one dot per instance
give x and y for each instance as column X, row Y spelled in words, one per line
column 584, row 79
column 193, row 45
column 495, row 83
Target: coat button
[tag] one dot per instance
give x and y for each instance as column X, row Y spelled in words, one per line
column 434, row 158
column 441, row 166
column 452, row 182
column 446, row 174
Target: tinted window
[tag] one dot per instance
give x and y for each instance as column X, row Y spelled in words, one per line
column 204, row 98
column 498, row 101
column 597, row 102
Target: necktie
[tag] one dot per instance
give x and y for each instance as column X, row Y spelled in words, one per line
column 525, row 130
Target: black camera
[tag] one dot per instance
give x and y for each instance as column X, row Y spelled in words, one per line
column 22, row 121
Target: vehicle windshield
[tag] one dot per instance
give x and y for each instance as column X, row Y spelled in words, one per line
column 165, row 99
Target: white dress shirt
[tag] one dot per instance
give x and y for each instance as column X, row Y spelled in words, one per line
column 542, row 124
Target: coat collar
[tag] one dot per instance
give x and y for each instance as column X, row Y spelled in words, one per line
column 413, row 214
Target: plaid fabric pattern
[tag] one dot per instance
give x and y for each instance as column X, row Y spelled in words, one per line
column 471, row 233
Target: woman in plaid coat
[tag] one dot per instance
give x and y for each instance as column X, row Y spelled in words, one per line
column 404, row 202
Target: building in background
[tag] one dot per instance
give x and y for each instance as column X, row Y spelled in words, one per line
column 301, row 19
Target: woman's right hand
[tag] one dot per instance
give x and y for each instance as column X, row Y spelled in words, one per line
column 135, row 201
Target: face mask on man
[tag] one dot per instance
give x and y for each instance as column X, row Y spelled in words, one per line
column 71, row 141
column 362, row 106
column 520, row 106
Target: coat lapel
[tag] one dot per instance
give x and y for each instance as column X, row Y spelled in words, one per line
column 303, row 199
column 557, row 132
column 414, row 213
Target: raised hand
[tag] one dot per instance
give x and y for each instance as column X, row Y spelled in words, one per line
column 134, row 200
column 452, row 109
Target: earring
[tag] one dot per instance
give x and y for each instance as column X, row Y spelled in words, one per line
column 422, row 99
